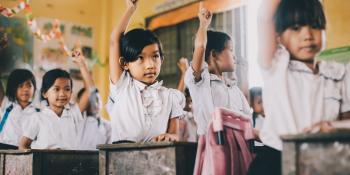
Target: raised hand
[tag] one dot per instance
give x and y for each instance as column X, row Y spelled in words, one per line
column 183, row 64
column 78, row 58
column 131, row 4
column 204, row 16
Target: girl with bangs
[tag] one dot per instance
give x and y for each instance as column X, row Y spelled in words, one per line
column 299, row 90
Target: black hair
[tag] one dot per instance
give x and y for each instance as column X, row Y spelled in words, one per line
column 80, row 93
column 292, row 13
column 50, row 78
column 133, row 42
column 216, row 42
column 253, row 93
column 16, row 78
column 187, row 93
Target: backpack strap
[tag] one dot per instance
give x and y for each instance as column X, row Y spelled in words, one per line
column 5, row 116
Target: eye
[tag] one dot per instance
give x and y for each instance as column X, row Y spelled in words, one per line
column 156, row 56
column 68, row 89
column 55, row 89
column 140, row 57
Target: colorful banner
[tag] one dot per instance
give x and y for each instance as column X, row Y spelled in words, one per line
column 54, row 33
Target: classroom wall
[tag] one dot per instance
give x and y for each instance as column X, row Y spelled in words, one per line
column 102, row 15
column 338, row 19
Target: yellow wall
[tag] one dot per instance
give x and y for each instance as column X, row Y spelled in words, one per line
column 338, row 19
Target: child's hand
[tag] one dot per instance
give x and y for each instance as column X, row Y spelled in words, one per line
column 131, row 4
column 320, row 127
column 183, row 64
column 204, row 16
column 166, row 138
column 78, row 58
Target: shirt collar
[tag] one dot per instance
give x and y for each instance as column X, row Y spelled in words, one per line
column 142, row 86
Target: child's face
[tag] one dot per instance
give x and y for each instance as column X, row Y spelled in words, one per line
column 303, row 42
column 258, row 105
column 25, row 91
column 147, row 67
column 226, row 58
column 59, row 93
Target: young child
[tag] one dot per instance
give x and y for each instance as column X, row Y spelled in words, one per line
column 20, row 90
column 299, row 91
column 57, row 125
column 142, row 109
column 94, row 130
column 255, row 95
column 213, row 55
column 187, row 125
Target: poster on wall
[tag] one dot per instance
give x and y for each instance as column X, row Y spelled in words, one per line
column 49, row 55
column 16, row 45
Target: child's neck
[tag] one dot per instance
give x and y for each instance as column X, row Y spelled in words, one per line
column 23, row 104
column 57, row 110
column 309, row 63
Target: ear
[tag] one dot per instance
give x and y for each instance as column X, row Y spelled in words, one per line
column 213, row 54
column 123, row 63
column 44, row 94
column 278, row 38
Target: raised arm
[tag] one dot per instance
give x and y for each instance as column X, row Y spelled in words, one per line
column 267, row 35
column 115, row 67
column 201, row 41
column 183, row 66
column 79, row 59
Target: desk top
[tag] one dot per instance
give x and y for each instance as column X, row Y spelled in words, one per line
column 318, row 137
column 143, row 145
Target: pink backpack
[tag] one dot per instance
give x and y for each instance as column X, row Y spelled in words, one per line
column 224, row 149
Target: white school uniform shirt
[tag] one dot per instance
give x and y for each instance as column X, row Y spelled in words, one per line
column 139, row 112
column 16, row 120
column 49, row 131
column 94, row 131
column 295, row 98
column 211, row 92
column 259, row 121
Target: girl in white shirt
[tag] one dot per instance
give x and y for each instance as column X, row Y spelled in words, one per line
column 213, row 57
column 299, row 91
column 141, row 109
column 20, row 89
column 57, row 125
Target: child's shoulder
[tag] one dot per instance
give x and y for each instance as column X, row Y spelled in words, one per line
column 332, row 70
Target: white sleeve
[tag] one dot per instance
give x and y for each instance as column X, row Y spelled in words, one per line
column 190, row 79
column 114, row 89
column 279, row 64
column 345, row 106
column 31, row 130
column 178, row 103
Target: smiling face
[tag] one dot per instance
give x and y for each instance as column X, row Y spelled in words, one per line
column 25, row 92
column 147, row 67
column 303, row 42
column 59, row 94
